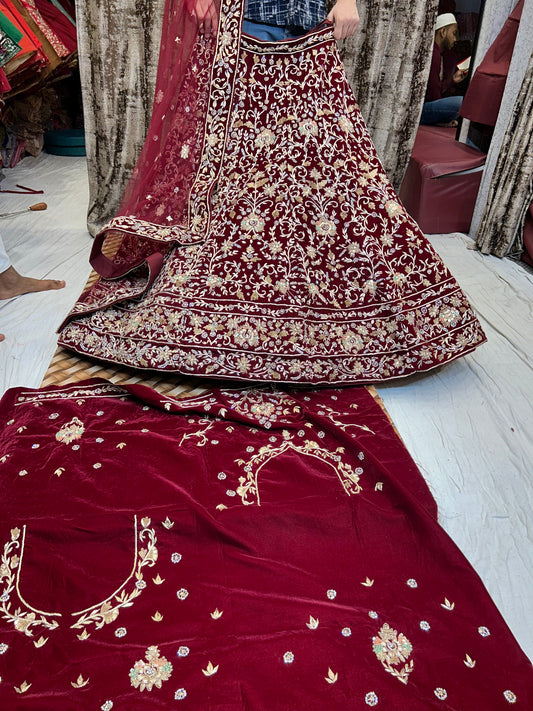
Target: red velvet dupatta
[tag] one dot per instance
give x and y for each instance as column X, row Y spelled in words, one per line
column 239, row 550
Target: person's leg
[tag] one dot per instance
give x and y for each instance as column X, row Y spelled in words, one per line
column 14, row 284
column 441, row 111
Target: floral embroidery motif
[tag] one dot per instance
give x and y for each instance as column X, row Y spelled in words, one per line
column 3, row 648
column 332, row 676
column 108, row 611
column 425, row 626
column 210, row 670
column 107, row 706
column 71, row 431
column 79, row 683
column 153, row 672
column 288, row 657
column 23, row 620
column 180, row 694
column 412, row 583
column 484, row 631
column 331, row 594
column 510, row 697
column 346, row 632
column 393, row 649
column 121, row 632
column 248, row 485
column 182, row 594
column 23, row 688
column 266, row 407
column 441, row 694
column 183, row 651
column 371, row 699
column 313, row 622
column 175, row 557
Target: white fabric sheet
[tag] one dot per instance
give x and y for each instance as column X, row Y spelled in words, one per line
column 468, row 426
column 53, row 243
column 4, row 259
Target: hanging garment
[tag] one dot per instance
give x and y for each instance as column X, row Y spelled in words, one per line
column 65, row 11
column 62, row 27
column 271, row 246
column 56, row 42
column 280, row 552
column 484, row 96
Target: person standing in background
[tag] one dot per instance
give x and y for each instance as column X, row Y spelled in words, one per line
column 438, row 108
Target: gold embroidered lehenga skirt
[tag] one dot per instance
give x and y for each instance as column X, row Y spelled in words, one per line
column 262, row 239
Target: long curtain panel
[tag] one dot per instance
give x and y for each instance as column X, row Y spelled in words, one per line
column 387, row 63
column 118, row 46
column 511, row 189
column 118, row 50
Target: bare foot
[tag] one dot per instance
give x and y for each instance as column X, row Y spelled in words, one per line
column 14, row 284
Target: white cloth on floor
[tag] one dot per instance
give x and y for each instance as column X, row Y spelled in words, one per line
column 4, row 259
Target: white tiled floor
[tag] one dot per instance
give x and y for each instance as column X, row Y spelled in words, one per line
column 468, row 426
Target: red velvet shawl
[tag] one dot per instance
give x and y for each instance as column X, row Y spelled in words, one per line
column 258, row 549
column 272, row 245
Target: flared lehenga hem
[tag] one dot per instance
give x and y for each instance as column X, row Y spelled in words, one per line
column 220, row 366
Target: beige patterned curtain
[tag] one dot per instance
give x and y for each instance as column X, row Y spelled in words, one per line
column 511, row 189
column 387, row 63
column 118, row 50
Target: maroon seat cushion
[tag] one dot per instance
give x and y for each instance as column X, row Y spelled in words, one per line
column 436, row 191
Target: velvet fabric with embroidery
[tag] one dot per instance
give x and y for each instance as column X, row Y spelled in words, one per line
column 263, row 240
column 280, row 552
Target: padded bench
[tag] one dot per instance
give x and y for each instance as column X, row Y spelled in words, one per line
column 440, row 187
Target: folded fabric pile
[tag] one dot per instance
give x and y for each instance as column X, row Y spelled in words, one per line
column 37, row 45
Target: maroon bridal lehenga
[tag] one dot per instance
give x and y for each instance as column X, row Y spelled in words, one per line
column 279, row 553
column 261, row 238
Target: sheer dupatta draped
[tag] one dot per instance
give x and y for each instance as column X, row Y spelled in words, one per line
column 167, row 198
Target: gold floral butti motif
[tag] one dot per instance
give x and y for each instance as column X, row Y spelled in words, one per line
column 71, row 431
column 248, row 488
column 306, row 267
column 392, row 650
column 152, row 672
column 108, row 611
column 21, row 616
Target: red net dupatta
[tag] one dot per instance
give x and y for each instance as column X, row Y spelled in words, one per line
column 167, row 198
